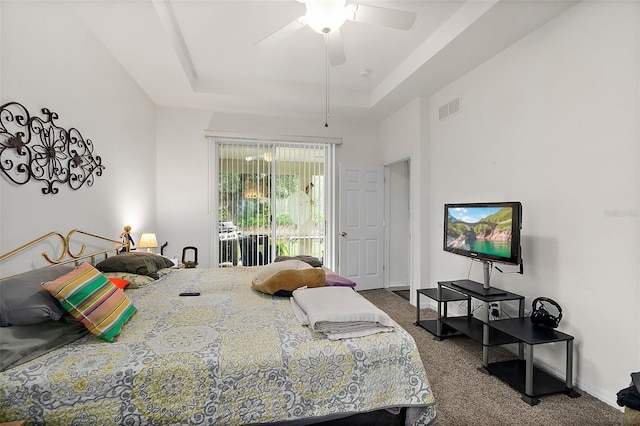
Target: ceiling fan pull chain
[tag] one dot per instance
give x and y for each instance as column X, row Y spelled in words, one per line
column 326, row 60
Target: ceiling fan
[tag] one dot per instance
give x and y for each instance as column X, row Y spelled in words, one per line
column 327, row 16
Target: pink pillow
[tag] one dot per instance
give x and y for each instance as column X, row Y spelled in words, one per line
column 337, row 280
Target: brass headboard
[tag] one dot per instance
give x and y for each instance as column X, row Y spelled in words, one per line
column 66, row 255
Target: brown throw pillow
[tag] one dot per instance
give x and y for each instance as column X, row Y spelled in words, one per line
column 285, row 281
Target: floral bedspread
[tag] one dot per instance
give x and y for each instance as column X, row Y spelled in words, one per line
column 229, row 356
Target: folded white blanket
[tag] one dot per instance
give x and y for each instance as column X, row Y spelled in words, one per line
column 339, row 312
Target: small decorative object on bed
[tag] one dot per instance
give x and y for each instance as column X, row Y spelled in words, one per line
column 232, row 356
column 37, row 148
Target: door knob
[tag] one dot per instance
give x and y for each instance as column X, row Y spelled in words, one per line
column 343, row 234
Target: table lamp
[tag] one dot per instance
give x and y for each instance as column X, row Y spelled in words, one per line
column 148, row 240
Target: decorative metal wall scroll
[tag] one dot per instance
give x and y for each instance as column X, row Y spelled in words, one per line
column 37, row 148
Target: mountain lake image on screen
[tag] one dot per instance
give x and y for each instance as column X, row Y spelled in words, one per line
column 484, row 231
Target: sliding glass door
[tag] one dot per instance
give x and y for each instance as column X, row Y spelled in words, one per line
column 271, row 200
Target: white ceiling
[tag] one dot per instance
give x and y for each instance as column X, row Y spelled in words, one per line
column 202, row 53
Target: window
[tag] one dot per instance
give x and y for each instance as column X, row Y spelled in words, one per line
column 271, row 199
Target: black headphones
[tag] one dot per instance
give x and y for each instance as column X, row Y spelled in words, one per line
column 541, row 316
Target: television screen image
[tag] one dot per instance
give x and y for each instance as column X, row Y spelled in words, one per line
column 485, row 231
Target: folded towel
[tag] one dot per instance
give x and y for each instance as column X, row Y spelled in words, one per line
column 339, row 312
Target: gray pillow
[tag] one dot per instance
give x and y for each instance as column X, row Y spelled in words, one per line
column 313, row 261
column 24, row 302
column 22, row 343
column 135, row 263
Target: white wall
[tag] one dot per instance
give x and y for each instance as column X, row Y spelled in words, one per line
column 50, row 60
column 405, row 134
column 183, row 182
column 552, row 121
column 184, row 190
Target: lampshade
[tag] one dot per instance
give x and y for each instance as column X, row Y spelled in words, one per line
column 148, row 240
column 325, row 17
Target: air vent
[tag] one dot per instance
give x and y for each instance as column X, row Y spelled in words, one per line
column 443, row 112
column 449, row 109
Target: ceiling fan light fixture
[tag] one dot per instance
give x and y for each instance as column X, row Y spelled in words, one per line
column 325, row 16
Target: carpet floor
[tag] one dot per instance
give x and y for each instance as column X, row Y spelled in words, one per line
column 405, row 294
column 466, row 396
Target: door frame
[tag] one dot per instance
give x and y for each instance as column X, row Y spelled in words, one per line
column 387, row 219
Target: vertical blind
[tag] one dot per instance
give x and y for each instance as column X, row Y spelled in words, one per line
column 272, row 200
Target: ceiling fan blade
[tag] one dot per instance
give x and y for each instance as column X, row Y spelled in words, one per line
column 393, row 18
column 282, row 33
column 336, row 49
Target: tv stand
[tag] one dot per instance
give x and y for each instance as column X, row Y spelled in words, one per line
column 478, row 329
column 485, row 289
column 474, row 287
column 532, row 382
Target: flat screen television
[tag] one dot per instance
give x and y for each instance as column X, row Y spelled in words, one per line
column 488, row 232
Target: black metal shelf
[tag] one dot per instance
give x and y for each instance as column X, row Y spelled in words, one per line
column 477, row 291
column 513, row 372
column 442, row 296
column 431, row 327
column 446, row 295
column 473, row 328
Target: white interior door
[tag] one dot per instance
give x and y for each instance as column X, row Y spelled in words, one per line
column 361, row 225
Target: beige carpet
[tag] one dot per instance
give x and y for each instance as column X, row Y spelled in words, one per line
column 466, row 396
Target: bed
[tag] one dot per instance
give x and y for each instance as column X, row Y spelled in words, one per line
column 230, row 356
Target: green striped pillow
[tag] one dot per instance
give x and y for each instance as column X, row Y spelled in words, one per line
column 93, row 300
